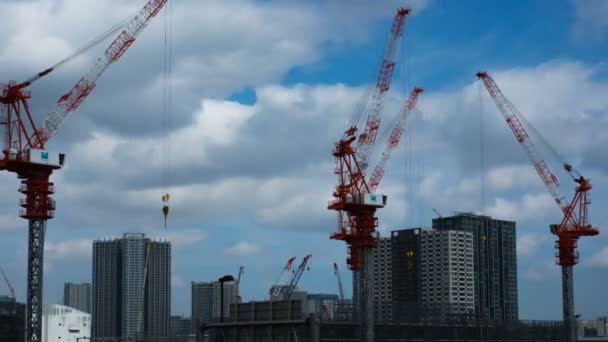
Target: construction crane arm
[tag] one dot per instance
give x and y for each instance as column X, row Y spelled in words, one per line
column 8, row 283
column 575, row 212
column 291, row 287
column 376, row 100
column 514, row 120
column 276, row 290
column 72, row 99
column 340, row 288
column 395, row 137
column 238, row 283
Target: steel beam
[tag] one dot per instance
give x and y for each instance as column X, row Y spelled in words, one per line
column 37, row 228
column 568, row 303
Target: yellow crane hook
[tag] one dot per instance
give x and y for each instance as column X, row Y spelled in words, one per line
column 165, row 199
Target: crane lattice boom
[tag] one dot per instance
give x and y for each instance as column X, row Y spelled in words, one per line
column 574, row 223
column 281, row 281
column 376, row 101
column 340, row 288
column 72, row 99
column 8, row 283
column 395, row 137
column 291, row 287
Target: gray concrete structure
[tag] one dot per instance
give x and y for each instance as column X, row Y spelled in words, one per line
column 382, row 280
column 206, row 301
column 124, row 305
column 78, row 296
column 495, row 263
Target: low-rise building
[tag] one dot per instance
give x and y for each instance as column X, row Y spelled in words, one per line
column 63, row 323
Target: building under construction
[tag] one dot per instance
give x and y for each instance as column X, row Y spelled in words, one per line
column 287, row 321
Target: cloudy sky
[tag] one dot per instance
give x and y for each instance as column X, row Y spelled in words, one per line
column 261, row 90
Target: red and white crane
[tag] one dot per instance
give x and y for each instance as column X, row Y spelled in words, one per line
column 288, row 290
column 281, row 281
column 574, row 223
column 354, row 199
column 375, row 103
column 24, row 150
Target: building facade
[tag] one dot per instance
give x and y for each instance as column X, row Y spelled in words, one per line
column 447, row 288
column 324, row 305
column 77, row 296
column 206, row 299
column 180, row 326
column 495, row 263
column 382, row 280
column 64, row 323
column 405, row 274
column 131, row 287
column 12, row 320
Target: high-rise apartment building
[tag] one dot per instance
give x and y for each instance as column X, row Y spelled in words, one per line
column 432, row 274
column 382, row 280
column 77, row 296
column 206, row 299
column 495, row 262
column 131, row 287
column 446, row 274
column 405, row 274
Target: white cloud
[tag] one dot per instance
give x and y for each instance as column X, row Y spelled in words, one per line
column 243, row 248
column 11, row 222
column 531, row 207
column 590, row 18
column 182, row 239
column 80, row 249
column 542, row 271
column 177, row 282
column 528, row 244
column 599, row 259
column 508, row 177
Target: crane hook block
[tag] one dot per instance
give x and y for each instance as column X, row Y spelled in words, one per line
column 165, row 199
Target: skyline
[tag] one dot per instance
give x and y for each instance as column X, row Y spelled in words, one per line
column 265, row 130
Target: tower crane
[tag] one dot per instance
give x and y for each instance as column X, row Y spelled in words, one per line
column 275, row 291
column 24, row 150
column 356, row 203
column 287, row 291
column 237, row 284
column 8, row 283
column 340, row 288
column 574, row 223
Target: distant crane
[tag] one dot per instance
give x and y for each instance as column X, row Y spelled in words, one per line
column 8, row 283
column 237, row 285
column 288, row 290
column 574, row 223
column 24, row 150
column 340, row 288
column 281, row 280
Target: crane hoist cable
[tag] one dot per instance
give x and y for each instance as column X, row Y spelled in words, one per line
column 166, row 107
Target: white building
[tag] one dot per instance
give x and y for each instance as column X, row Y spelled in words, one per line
column 382, row 280
column 64, row 324
column 447, row 273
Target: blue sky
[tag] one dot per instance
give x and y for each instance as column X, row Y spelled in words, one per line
column 261, row 89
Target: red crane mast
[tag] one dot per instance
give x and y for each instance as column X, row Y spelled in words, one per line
column 574, row 223
column 24, row 149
